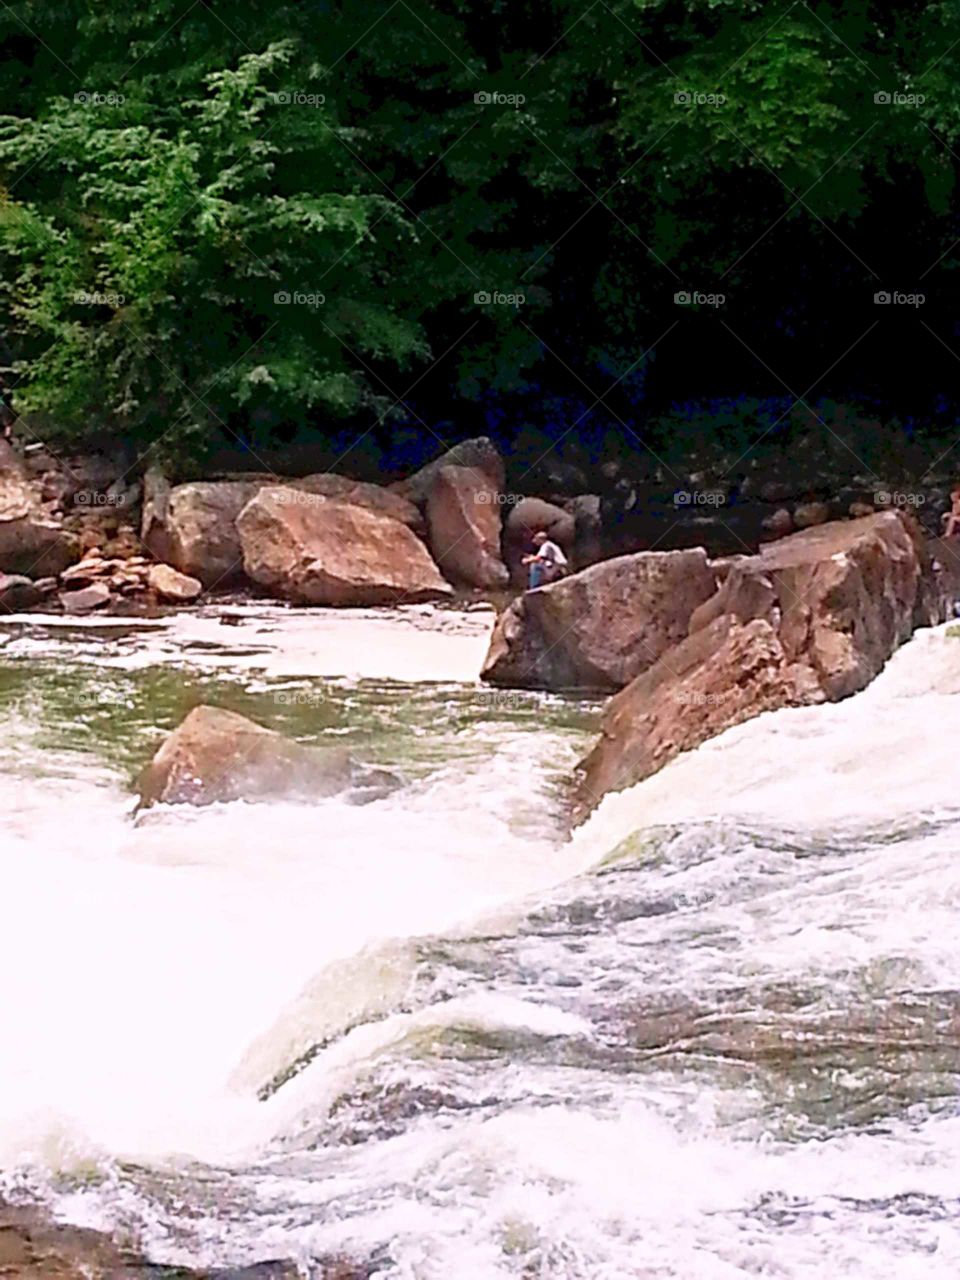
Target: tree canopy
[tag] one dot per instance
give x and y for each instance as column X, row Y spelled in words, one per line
column 263, row 222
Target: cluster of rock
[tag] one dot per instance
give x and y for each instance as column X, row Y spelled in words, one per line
column 330, row 540
column 695, row 646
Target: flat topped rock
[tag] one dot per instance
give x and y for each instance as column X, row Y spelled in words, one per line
column 601, row 627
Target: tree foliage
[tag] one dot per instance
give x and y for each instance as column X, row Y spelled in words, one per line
column 171, row 178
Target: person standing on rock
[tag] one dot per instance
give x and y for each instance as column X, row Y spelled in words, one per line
column 951, row 520
column 546, row 564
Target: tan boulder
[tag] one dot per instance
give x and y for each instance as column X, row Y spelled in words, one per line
column 480, row 454
column 194, row 527
column 463, row 519
column 332, row 553
column 601, row 627
column 172, row 585
column 216, row 755
column 812, row 617
column 358, row 493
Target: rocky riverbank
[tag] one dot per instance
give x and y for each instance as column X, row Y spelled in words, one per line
column 92, row 533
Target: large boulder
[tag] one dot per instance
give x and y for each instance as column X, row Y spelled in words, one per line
column 332, row 553
column 358, row 493
column 463, row 519
column 812, row 617
column 480, row 454
column 194, row 527
column 601, row 627
column 216, row 755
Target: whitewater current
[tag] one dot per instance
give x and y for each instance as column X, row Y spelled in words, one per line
column 713, row 1035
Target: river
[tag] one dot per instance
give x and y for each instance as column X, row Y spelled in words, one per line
column 713, row 1035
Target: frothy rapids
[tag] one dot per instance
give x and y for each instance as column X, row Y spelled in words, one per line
column 714, row 1035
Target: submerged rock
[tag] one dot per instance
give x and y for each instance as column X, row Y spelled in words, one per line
column 601, row 627
column 216, row 755
column 812, row 617
column 331, row 553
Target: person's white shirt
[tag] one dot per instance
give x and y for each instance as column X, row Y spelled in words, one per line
column 551, row 553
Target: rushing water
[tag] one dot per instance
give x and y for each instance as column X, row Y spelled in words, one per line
column 715, row 1035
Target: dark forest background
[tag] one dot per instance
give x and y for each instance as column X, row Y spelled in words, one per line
column 173, row 172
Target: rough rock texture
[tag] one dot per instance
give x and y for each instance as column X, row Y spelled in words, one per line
column 171, row 585
column 601, row 627
column 216, row 755
column 812, row 617
column 18, row 592
column 332, row 553
column 481, row 454
column 463, row 519
column 587, row 539
column 358, row 493
column 195, row 529
column 30, row 542
column 86, row 599
column 194, row 526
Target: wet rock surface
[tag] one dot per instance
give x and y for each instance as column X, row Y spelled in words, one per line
column 601, row 627
column 813, row 617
